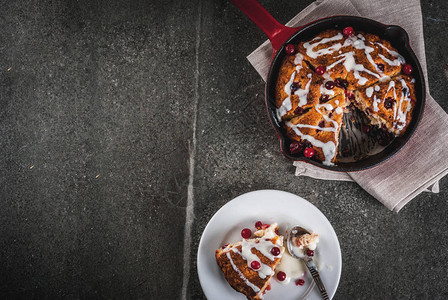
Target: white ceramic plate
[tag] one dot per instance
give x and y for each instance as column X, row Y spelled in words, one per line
column 267, row 206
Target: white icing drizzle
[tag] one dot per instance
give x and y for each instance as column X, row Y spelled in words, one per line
column 298, row 59
column 400, row 121
column 336, row 62
column 391, row 85
column 247, row 255
column 327, row 106
column 360, row 45
column 303, row 93
column 314, row 54
column 339, row 110
column 377, row 88
column 395, row 62
column 262, row 245
column 347, row 58
column 400, row 58
column 255, row 288
column 351, row 65
column 369, row 91
column 286, row 104
column 376, row 101
column 316, row 127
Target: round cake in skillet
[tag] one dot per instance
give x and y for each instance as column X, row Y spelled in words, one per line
column 333, row 72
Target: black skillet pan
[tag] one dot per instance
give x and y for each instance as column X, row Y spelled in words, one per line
column 280, row 35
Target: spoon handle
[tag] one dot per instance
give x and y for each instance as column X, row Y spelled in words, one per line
column 320, row 285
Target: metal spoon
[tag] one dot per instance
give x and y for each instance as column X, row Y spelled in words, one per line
column 296, row 232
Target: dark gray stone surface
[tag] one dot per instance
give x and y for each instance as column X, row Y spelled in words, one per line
column 97, row 120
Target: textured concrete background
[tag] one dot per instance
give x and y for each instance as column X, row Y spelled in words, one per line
column 107, row 109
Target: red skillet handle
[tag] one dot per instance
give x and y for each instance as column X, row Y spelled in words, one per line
column 276, row 32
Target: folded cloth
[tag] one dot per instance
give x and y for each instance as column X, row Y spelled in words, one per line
column 414, row 168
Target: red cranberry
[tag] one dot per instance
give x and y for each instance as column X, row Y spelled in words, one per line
column 290, row 49
column 298, row 111
column 255, row 265
column 348, row 31
column 380, row 67
column 295, row 86
column 281, row 276
column 342, row 83
column 246, row 233
column 350, row 96
column 320, row 70
column 310, row 252
column 258, row 225
column 294, row 147
column 300, row 281
column 329, row 85
column 225, row 245
column 323, row 98
column 407, row 69
column 321, row 125
column 275, row 251
column 389, row 102
column 366, row 128
column 308, row 152
column 268, row 288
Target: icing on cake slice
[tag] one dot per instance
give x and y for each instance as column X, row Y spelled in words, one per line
column 389, row 103
column 373, row 60
column 299, row 88
column 295, row 90
column 328, row 49
column 248, row 265
column 319, row 128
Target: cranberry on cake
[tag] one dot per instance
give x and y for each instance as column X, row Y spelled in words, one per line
column 248, row 265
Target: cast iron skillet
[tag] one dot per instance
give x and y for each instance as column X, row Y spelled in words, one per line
column 280, row 35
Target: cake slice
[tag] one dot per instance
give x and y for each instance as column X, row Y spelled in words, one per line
column 294, row 89
column 248, row 265
column 388, row 104
column 326, row 52
column 318, row 129
column 299, row 88
column 374, row 59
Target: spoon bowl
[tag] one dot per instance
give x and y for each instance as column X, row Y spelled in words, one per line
column 296, row 232
column 293, row 234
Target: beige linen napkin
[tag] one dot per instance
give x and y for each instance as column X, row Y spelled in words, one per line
column 423, row 161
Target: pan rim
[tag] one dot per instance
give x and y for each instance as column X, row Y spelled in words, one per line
column 389, row 151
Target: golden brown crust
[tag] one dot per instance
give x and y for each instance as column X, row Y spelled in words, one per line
column 391, row 101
